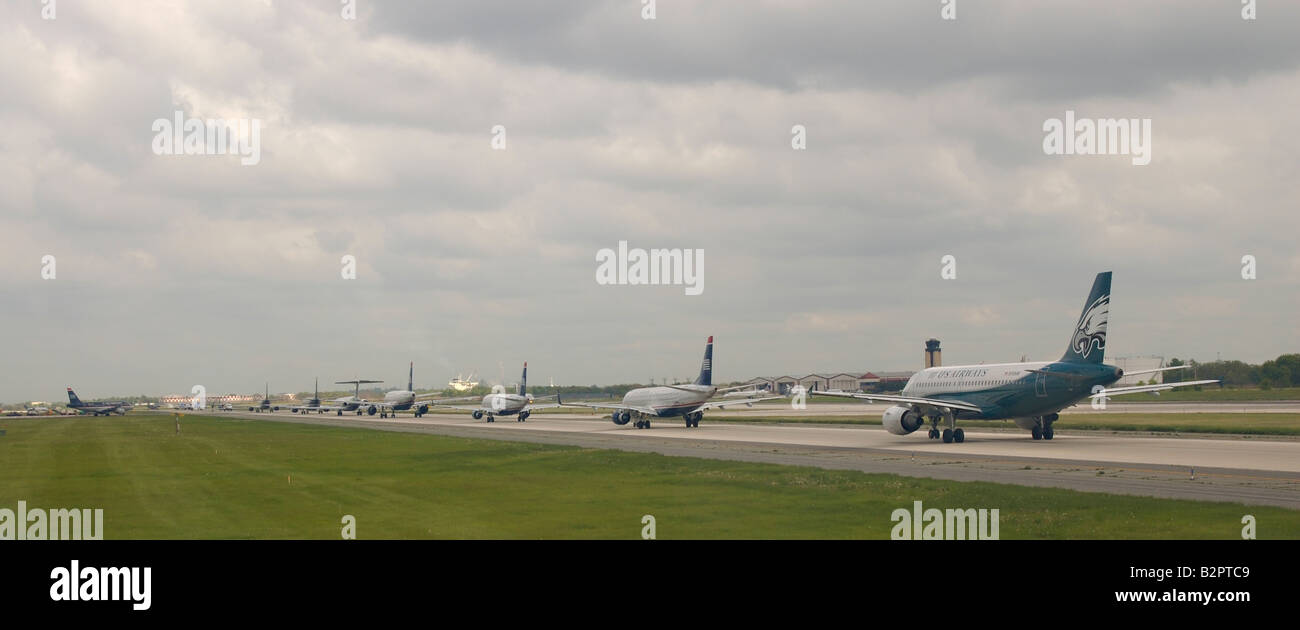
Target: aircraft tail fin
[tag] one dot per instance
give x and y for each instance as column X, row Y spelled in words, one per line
column 1088, row 340
column 410, row 378
column 706, row 367
column 523, row 381
column 73, row 401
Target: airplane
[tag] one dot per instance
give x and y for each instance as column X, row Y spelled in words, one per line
column 1030, row 393
column 312, row 404
column 502, row 404
column 102, row 408
column 666, row 401
column 266, row 404
column 355, row 401
column 403, row 399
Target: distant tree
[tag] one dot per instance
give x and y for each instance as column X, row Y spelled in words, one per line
column 1291, row 363
column 1274, row 374
column 1175, row 376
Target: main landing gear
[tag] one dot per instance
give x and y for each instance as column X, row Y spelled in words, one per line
column 950, row 434
column 523, row 417
column 1042, row 429
column 642, row 424
column 693, row 419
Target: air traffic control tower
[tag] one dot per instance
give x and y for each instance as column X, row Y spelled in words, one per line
column 933, row 355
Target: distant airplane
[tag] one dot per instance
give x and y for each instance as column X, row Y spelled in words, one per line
column 102, row 408
column 354, row 402
column 266, row 404
column 1031, row 394
column 666, row 401
column 502, row 404
column 312, row 404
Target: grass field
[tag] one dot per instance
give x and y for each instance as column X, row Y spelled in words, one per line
column 1223, row 423
column 229, row 478
column 1212, row 393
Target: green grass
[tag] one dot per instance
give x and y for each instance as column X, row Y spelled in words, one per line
column 230, row 478
column 1221, row 423
column 1212, row 393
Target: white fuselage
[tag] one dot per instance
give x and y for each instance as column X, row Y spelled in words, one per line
column 956, row 379
column 400, row 399
column 505, row 404
column 350, row 403
column 670, row 401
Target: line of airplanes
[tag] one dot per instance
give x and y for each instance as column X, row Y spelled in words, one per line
column 1030, row 393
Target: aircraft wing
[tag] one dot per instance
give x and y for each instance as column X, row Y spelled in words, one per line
column 905, row 400
column 722, row 404
column 1159, row 387
column 431, row 396
column 531, row 407
column 462, row 408
column 645, row 410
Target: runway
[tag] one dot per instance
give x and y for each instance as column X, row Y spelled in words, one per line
column 874, row 409
column 1253, row 471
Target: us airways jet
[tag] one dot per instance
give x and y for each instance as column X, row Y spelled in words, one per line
column 503, row 404
column 666, row 401
column 1029, row 393
column 403, row 399
column 102, row 408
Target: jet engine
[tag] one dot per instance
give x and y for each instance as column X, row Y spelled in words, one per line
column 901, row 420
column 620, row 417
column 478, row 414
column 372, row 410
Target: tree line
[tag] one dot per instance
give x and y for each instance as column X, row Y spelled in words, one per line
column 1283, row 371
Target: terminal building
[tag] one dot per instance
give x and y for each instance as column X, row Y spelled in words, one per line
column 176, row 399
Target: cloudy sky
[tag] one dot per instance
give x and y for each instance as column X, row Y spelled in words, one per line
column 924, row 138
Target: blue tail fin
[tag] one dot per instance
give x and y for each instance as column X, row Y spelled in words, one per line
column 523, row 381
column 73, row 401
column 1088, row 341
column 706, row 368
column 410, row 378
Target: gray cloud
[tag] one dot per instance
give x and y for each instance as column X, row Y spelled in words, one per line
column 924, row 139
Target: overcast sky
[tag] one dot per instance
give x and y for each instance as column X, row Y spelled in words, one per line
column 924, row 138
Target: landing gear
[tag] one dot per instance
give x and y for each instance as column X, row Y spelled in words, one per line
column 1042, row 429
column 642, row 424
column 491, row 419
column 340, row 412
column 950, row 434
column 693, row 419
column 523, row 416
